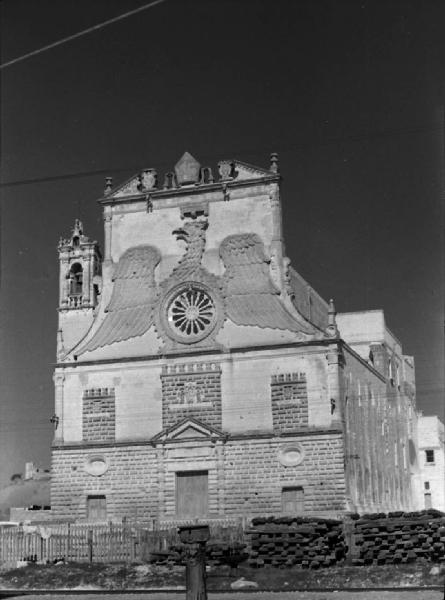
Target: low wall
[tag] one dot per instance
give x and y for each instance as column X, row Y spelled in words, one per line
column 399, row 538
column 309, row 542
column 25, row 514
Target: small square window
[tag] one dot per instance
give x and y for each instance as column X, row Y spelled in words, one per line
column 429, row 456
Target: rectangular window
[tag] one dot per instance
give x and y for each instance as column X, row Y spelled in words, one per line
column 192, row 494
column 96, row 508
column 292, row 500
column 426, row 485
column 429, row 456
column 428, row 503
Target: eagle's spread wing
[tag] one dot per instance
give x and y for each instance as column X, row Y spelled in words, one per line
column 130, row 311
column 252, row 298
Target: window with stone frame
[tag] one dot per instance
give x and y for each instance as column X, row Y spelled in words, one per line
column 98, row 415
column 289, row 401
column 429, row 456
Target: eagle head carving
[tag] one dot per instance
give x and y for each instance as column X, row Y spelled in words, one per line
column 190, row 230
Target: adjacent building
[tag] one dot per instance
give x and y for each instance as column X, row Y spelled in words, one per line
column 200, row 376
column 432, row 463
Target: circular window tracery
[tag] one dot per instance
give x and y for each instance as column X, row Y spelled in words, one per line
column 191, row 313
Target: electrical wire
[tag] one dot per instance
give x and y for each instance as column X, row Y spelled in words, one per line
column 244, row 152
column 81, row 33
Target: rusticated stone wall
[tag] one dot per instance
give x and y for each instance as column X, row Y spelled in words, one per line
column 129, row 483
column 191, row 390
column 255, row 474
column 98, row 415
column 246, row 476
column 289, row 401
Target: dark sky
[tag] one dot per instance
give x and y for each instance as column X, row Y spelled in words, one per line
column 348, row 94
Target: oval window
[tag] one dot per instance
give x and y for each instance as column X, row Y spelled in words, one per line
column 291, row 455
column 96, row 465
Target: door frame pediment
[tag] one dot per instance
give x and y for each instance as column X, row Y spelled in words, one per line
column 188, row 430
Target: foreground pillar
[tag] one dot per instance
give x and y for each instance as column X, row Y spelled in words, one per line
column 195, row 537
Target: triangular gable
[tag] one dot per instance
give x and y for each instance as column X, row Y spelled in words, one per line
column 146, row 180
column 129, row 188
column 188, row 428
column 137, row 185
column 245, row 171
column 189, row 432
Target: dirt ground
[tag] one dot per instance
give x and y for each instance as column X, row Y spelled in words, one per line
column 123, row 576
column 396, row 595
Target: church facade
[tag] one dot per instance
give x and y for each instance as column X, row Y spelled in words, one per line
column 200, row 376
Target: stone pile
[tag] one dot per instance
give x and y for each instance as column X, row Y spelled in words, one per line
column 284, row 542
column 399, row 538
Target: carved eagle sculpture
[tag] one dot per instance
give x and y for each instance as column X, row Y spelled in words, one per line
column 130, row 311
column 252, row 298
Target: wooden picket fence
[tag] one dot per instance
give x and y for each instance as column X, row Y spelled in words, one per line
column 111, row 542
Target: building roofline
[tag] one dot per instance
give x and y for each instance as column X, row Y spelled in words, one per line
column 156, row 194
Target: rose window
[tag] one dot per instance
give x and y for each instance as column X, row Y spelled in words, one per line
column 191, row 314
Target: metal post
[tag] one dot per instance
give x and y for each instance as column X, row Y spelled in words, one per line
column 90, row 545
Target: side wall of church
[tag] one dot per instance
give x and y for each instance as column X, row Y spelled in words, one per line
column 376, row 445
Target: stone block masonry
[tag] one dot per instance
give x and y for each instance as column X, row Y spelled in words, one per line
column 129, row 483
column 191, row 390
column 255, row 477
column 246, row 477
column 289, row 402
column 98, row 415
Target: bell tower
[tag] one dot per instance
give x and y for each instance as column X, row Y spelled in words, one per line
column 80, row 282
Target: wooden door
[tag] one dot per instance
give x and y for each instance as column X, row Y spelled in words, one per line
column 292, row 500
column 96, row 508
column 192, row 494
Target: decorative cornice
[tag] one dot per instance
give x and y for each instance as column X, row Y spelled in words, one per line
column 198, row 352
column 190, row 190
column 227, row 437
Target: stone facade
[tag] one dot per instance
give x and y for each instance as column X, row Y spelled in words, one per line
column 246, row 476
column 200, row 376
column 289, row 402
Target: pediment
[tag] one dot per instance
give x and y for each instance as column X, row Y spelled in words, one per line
column 245, row 171
column 189, row 432
column 187, row 170
column 138, row 184
column 188, row 429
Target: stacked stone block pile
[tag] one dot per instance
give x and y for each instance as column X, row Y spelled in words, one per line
column 284, row 542
column 400, row 538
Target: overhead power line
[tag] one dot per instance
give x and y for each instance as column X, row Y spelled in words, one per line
column 245, row 152
column 81, row 33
